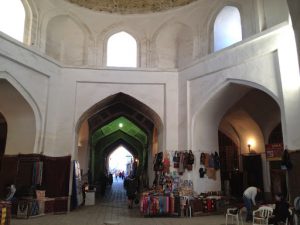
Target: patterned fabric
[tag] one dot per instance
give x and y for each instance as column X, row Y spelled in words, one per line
column 37, row 173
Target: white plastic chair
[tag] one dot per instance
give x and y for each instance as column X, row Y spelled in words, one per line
column 234, row 216
column 261, row 215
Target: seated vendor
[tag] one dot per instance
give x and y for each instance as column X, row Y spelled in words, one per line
column 281, row 211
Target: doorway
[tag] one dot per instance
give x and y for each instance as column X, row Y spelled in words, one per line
column 121, row 164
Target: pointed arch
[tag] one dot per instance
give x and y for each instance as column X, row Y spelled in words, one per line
column 128, row 105
column 172, row 45
column 39, row 126
column 84, row 38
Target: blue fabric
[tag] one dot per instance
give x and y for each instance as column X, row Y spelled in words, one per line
column 249, row 206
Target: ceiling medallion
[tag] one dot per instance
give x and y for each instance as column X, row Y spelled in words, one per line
column 130, row 6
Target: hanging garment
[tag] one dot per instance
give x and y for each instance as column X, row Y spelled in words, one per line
column 216, row 161
column 186, row 159
column 206, row 163
column 181, row 164
column 176, row 159
column 211, row 173
column 190, row 160
column 37, row 173
column 202, row 158
column 211, row 162
column 171, row 204
column 166, row 164
column 202, row 172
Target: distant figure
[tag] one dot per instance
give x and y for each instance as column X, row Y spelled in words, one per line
column 249, row 200
column 83, row 189
column 103, row 182
column 281, row 211
column 131, row 186
column 116, row 175
column 110, row 179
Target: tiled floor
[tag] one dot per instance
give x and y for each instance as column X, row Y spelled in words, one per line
column 113, row 207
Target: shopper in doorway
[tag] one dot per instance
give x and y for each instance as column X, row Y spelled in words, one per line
column 249, row 200
column 131, row 186
column 281, row 211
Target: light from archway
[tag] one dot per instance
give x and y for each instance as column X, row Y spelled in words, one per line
column 120, row 160
column 12, row 18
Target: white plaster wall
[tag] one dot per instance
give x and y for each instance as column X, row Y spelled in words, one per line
column 60, row 95
column 85, row 88
column 276, row 11
column 199, row 16
column 66, row 45
column 204, row 85
column 29, row 74
column 83, row 147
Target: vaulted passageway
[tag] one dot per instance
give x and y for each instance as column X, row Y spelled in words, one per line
column 118, row 120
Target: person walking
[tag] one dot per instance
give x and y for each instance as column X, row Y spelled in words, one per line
column 131, row 186
column 249, row 200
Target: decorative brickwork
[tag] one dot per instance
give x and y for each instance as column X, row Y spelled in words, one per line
column 130, row 6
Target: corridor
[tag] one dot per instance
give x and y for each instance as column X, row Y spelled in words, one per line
column 113, row 207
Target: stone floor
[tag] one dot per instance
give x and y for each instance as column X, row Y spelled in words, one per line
column 113, row 207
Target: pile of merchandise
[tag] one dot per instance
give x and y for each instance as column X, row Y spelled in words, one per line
column 5, row 213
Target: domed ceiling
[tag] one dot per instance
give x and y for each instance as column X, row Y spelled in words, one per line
column 130, row 6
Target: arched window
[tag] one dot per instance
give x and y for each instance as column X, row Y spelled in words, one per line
column 12, row 18
column 121, row 50
column 227, row 28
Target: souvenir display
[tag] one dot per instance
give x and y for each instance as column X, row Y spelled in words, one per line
column 172, row 196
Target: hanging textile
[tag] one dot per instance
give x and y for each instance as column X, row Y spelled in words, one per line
column 37, row 173
column 181, row 163
column 76, row 198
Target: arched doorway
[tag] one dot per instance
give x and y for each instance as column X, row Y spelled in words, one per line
column 118, row 120
column 3, row 135
column 247, row 123
column 242, row 112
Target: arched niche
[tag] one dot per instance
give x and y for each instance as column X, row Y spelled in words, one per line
column 173, row 46
column 66, row 41
column 243, row 112
column 20, row 119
